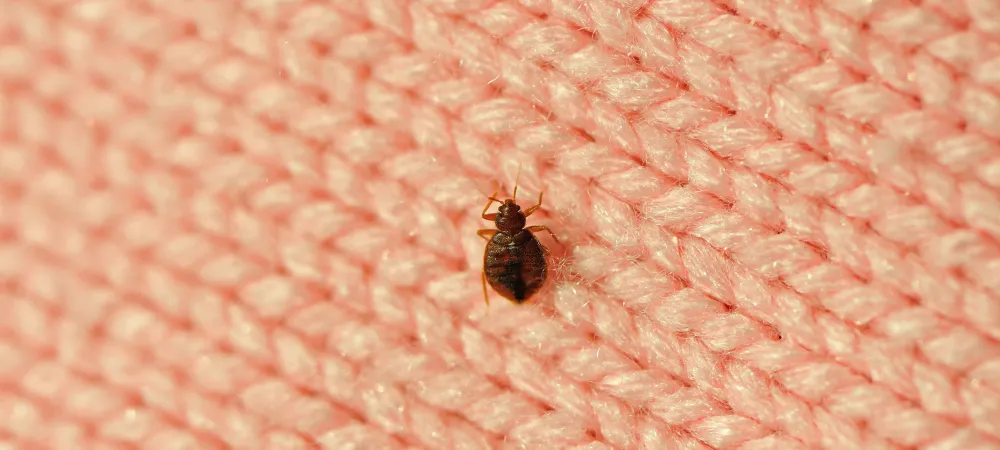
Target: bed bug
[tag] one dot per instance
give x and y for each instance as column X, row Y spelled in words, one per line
column 514, row 262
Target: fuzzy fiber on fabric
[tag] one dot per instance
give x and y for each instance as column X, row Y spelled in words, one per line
column 252, row 224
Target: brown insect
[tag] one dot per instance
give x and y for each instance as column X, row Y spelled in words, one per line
column 514, row 261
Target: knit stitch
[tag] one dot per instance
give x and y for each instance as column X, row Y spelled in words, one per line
column 252, row 224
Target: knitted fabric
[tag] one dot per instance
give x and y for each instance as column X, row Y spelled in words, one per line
column 252, row 224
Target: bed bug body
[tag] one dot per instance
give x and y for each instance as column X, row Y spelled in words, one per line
column 514, row 262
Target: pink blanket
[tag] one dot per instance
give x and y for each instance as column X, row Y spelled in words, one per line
column 252, row 224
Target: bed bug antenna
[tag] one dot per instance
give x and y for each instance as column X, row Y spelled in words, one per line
column 516, row 179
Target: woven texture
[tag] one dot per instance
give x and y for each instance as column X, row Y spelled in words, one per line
column 252, row 224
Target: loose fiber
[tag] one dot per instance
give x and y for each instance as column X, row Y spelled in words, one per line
column 251, row 224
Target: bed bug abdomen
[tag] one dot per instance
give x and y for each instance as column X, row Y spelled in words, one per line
column 515, row 265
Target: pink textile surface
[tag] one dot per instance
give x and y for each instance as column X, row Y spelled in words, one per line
column 252, row 224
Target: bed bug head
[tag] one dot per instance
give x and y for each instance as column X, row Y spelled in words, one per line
column 510, row 218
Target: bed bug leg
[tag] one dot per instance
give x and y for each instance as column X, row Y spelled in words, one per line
column 532, row 209
column 486, row 234
column 486, row 296
column 537, row 228
column 491, row 216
